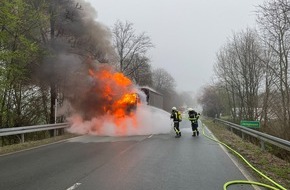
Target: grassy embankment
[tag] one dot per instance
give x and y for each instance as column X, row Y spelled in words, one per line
column 275, row 168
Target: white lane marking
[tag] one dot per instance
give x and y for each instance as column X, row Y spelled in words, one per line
column 74, row 186
column 149, row 136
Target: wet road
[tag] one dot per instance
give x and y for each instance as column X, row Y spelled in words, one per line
column 124, row 163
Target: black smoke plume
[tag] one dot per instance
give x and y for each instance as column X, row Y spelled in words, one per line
column 74, row 43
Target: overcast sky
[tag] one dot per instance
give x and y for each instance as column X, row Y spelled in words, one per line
column 186, row 33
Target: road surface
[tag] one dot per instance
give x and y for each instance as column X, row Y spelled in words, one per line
column 159, row 162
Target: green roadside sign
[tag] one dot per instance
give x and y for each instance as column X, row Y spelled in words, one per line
column 250, row 124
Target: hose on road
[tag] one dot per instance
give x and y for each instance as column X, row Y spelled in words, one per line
column 276, row 187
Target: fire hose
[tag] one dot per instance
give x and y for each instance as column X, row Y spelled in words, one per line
column 276, row 187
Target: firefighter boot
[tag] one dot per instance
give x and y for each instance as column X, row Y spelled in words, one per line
column 194, row 133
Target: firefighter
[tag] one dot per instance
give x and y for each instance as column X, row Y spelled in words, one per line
column 176, row 116
column 193, row 117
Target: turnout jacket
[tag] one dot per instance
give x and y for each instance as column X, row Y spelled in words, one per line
column 176, row 116
column 193, row 116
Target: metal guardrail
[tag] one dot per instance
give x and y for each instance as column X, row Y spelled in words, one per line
column 30, row 129
column 259, row 135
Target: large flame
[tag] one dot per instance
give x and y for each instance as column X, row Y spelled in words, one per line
column 119, row 94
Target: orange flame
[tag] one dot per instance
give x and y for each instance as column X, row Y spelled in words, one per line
column 118, row 91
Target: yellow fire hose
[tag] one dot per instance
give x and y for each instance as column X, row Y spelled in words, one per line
column 276, row 187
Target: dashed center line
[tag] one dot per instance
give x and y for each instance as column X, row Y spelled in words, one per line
column 74, row 186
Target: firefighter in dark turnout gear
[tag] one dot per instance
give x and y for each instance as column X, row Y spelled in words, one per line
column 193, row 117
column 176, row 116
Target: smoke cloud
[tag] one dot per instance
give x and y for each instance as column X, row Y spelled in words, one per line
column 149, row 120
column 74, row 43
column 91, row 93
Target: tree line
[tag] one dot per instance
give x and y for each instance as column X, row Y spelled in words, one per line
column 252, row 73
column 46, row 46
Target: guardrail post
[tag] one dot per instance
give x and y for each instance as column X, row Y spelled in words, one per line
column 54, row 132
column 243, row 135
column 262, row 143
column 22, row 138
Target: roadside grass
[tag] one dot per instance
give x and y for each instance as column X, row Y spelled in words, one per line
column 275, row 168
column 32, row 144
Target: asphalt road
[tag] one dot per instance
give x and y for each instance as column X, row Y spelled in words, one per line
column 159, row 162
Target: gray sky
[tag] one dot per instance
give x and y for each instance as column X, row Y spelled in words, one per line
column 186, row 33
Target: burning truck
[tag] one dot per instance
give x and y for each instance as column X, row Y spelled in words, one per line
column 115, row 93
column 119, row 96
column 108, row 104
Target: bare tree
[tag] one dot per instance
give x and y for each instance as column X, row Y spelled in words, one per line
column 130, row 46
column 266, row 58
column 273, row 19
column 210, row 100
column 224, row 70
column 141, row 73
column 165, row 83
column 240, row 69
column 250, row 69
